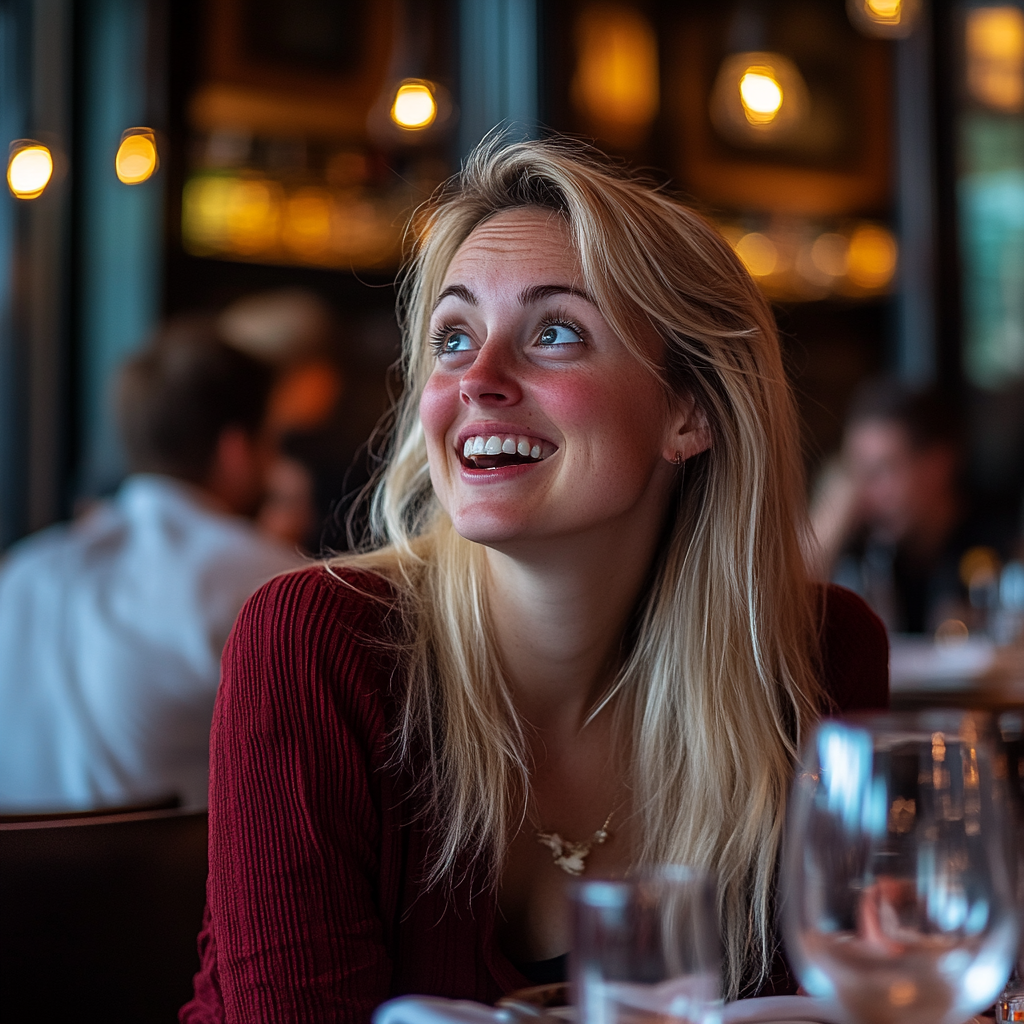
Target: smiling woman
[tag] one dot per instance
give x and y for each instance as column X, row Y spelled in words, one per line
column 579, row 637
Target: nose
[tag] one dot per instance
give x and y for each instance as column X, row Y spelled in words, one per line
column 491, row 378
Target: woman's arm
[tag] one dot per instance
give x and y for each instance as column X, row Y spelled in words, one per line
column 295, row 808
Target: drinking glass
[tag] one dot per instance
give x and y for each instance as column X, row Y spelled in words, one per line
column 646, row 948
column 897, row 872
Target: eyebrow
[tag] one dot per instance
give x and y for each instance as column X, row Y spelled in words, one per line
column 527, row 297
column 459, row 291
column 543, row 291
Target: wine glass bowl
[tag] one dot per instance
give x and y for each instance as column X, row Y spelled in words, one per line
column 898, row 888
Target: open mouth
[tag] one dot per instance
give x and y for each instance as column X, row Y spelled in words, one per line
column 497, row 451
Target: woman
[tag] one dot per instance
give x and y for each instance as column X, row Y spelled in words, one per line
column 584, row 640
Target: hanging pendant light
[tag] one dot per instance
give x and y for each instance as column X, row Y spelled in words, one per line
column 884, row 19
column 759, row 98
column 29, row 168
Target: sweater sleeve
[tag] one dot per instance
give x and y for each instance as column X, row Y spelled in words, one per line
column 295, row 929
column 854, row 653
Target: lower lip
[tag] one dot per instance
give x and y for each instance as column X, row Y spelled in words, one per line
column 499, row 475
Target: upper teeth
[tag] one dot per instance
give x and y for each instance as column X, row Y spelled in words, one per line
column 495, row 445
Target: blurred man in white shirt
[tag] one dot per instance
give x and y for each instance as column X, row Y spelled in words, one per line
column 111, row 627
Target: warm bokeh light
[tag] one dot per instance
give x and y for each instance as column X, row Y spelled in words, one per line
column 796, row 260
column 979, row 567
column 414, row 106
column 759, row 98
column 136, row 158
column 253, row 215
column 759, row 254
column 995, row 57
column 616, row 80
column 760, row 94
column 29, row 169
column 307, row 221
column 886, row 19
column 951, row 633
column 830, row 254
column 235, row 215
column 250, row 217
column 871, row 257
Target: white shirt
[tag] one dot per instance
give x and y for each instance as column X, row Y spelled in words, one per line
column 111, row 630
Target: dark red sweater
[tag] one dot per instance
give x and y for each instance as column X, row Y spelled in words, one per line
column 316, row 907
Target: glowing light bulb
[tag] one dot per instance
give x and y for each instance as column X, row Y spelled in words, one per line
column 136, row 158
column 760, row 94
column 759, row 98
column 29, row 169
column 414, row 107
column 885, row 19
column 883, row 10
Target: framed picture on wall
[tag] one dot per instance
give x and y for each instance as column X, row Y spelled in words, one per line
column 294, row 66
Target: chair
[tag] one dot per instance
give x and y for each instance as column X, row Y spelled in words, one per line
column 99, row 916
column 168, row 803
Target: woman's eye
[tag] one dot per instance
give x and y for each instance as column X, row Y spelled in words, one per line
column 456, row 341
column 559, row 334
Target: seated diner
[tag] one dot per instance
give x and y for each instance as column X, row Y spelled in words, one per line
column 580, row 640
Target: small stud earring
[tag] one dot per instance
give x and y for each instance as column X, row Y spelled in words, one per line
column 678, row 460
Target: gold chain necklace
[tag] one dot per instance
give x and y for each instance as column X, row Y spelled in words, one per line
column 572, row 857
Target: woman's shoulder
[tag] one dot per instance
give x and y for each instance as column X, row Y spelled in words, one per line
column 335, row 626
column 854, row 651
column 319, row 596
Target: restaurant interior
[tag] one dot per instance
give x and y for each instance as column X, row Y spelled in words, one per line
column 261, row 162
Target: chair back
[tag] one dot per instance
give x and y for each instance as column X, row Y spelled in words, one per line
column 99, row 916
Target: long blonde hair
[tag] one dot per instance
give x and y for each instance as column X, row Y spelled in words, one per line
column 719, row 680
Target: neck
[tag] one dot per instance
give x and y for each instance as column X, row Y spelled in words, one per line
column 559, row 613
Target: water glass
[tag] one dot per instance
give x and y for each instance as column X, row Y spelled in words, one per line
column 646, row 948
column 898, row 868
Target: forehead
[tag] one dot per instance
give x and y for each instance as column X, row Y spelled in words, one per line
column 518, row 243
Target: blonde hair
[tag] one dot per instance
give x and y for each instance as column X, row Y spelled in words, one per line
column 719, row 680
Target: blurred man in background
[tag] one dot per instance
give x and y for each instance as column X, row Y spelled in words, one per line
column 892, row 521
column 111, row 628
column 296, row 331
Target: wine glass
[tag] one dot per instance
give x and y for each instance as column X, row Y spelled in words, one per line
column 897, row 871
column 646, row 948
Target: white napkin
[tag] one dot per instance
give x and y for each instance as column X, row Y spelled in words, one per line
column 779, row 1009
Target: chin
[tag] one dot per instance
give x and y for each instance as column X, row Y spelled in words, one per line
column 489, row 530
column 492, row 535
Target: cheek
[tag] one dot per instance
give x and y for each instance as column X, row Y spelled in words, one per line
column 439, row 404
column 579, row 401
column 623, row 411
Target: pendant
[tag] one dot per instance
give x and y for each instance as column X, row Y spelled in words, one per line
column 572, row 857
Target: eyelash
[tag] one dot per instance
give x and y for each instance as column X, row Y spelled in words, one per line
column 442, row 332
column 439, row 336
column 560, row 319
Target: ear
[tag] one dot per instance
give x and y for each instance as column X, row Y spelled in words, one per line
column 688, row 431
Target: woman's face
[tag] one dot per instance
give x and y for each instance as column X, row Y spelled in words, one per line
column 539, row 422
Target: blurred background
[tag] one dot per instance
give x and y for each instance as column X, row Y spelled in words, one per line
column 864, row 157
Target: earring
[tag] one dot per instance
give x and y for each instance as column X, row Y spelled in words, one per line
column 678, row 460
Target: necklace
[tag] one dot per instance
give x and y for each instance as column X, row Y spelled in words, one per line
column 572, row 857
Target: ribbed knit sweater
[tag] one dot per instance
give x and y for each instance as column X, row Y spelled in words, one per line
column 317, row 910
